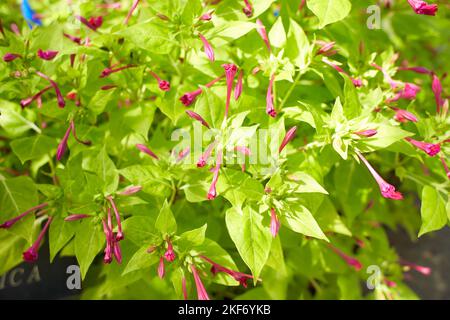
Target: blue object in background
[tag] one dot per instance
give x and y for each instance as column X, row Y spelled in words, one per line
column 29, row 14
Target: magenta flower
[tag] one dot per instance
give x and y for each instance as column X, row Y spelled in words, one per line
column 243, row 150
column 248, row 9
column 169, row 255
column 387, row 190
column 274, row 223
column 26, row 102
column 131, row 190
column 349, row 260
column 421, row 7
column 8, row 224
column 76, row 217
column 447, row 170
column 15, row 29
column 108, row 71
column 146, row 150
column 120, row 235
column 238, row 88
column 108, row 87
column 107, row 230
column 161, row 268
column 197, row 117
column 409, row 92
column 420, row 70
column 163, row 84
column 230, row 73
column 429, row 148
column 130, row 13
column 188, row 98
column 367, row 133
column 77, row 40
column 47, row 55
column 288, row 138
column 183, row 154
column 201, row 291
column 11, row 57
column 212, row 193
column 59, row 97
column 31, row 255
column 393, row 83
column 356, row 82
column 209, row 51
column 404, row 116
column 242, row 278
column 116, row 250
column 93, row 23
column 437, row 90
column 263, row 33
column 62, row 146
column 270, row 110
column 206, row 155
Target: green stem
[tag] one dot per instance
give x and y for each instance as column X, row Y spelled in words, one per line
column 291, row 89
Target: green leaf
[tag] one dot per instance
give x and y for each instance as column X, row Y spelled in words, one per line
column 433, row 211
column 297, row 48
column 89, row 241
column 299, row 219
column 98, row 161
column 329, row 11
column 166, row 223
column 352, row 105
column 304, row 183
column 33, row 147
column 139, row 229
column 16, row 196
column 252, row 239
column 277, row 35
column 141, row 260
column 60, row 233
column 192, row 238
column 11, row 251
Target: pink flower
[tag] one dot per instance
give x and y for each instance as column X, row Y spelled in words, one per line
column 209, row 51
column 201, row 291
column 108, row 87
column 146, row 150
column 161, row 268
column 404, row 116
column 131, row 190
column 183, row 288
column 108, row 71
column 270, row 110
column 26, row 102
column 93, row 23
column 421, row 7
column 248, row 9
column 325, row 48
column 242, row 278
column 230, row 73
column 409, row 92
column 263, row 33
column 274, row 223
column 238, row 88
column 447, row 170
column 421, row 269
column 62, row 146
column 163, row 84
column 212, row 193
column 120, row 235
column 183, row 154
column 169, row 255
column 31, row 255
column 8, row 57
column 206, row 16
column 288, row 138
column 188, row 98
column 206, row 155
column 356, row 82
column 437, row 90
column 59, row 97
column 394, row 84
column 130, row 13
column 349, row 260
column 116, row 250
column 197, row 117
column 387, row 190
column 8, row 224
column 367, row 133
column 76, row 217
column 429, row 148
